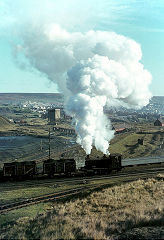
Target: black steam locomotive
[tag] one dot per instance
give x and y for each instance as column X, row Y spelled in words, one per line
column 103, row 165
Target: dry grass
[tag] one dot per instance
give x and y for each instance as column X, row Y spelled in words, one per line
column 112, row 213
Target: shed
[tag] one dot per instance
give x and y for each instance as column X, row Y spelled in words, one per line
column 159, row 122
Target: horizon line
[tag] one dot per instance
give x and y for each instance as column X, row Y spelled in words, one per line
column 52, row 93
column 30, row 93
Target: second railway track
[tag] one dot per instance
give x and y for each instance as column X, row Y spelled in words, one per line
column 124, row 177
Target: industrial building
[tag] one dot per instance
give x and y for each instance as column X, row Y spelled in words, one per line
column 65, row 130
column 53, row 115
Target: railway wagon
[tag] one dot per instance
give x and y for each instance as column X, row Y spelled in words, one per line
column 19, row 169
column 66, row 166
column 104, row 164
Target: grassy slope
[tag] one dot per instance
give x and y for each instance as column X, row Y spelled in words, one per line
column 128, row 145
column 113, row 213
column 5, row 125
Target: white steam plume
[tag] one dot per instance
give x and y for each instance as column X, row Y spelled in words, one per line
column 91, row 69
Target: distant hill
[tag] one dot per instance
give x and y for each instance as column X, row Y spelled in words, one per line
column 12, row 98
column 156, row 105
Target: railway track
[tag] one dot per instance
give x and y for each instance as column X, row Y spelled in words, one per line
column 48, row 197
column 69, row 193
column 75, row 180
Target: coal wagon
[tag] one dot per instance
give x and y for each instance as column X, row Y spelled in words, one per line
column 61, row 166
column 19, row 170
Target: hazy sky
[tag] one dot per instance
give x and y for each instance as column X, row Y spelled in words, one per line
column 142, row 20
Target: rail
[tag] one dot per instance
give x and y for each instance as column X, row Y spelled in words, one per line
column 69, row 193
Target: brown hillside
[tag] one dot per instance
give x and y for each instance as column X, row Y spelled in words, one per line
column 5, row 123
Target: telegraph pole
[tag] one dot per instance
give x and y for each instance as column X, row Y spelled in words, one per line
column 49, row 145
column 41, row 144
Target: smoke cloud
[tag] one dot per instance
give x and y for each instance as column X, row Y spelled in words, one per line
column 91, row 69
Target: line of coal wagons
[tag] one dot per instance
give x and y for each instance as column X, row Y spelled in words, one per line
column 63, row 166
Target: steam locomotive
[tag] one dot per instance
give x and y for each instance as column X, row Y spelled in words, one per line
column 63, row 166
column 103, row 165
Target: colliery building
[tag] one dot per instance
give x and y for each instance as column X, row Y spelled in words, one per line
column 53, row 115
column 57, row 114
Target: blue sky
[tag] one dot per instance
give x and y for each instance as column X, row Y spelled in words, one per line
column 142, row 20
